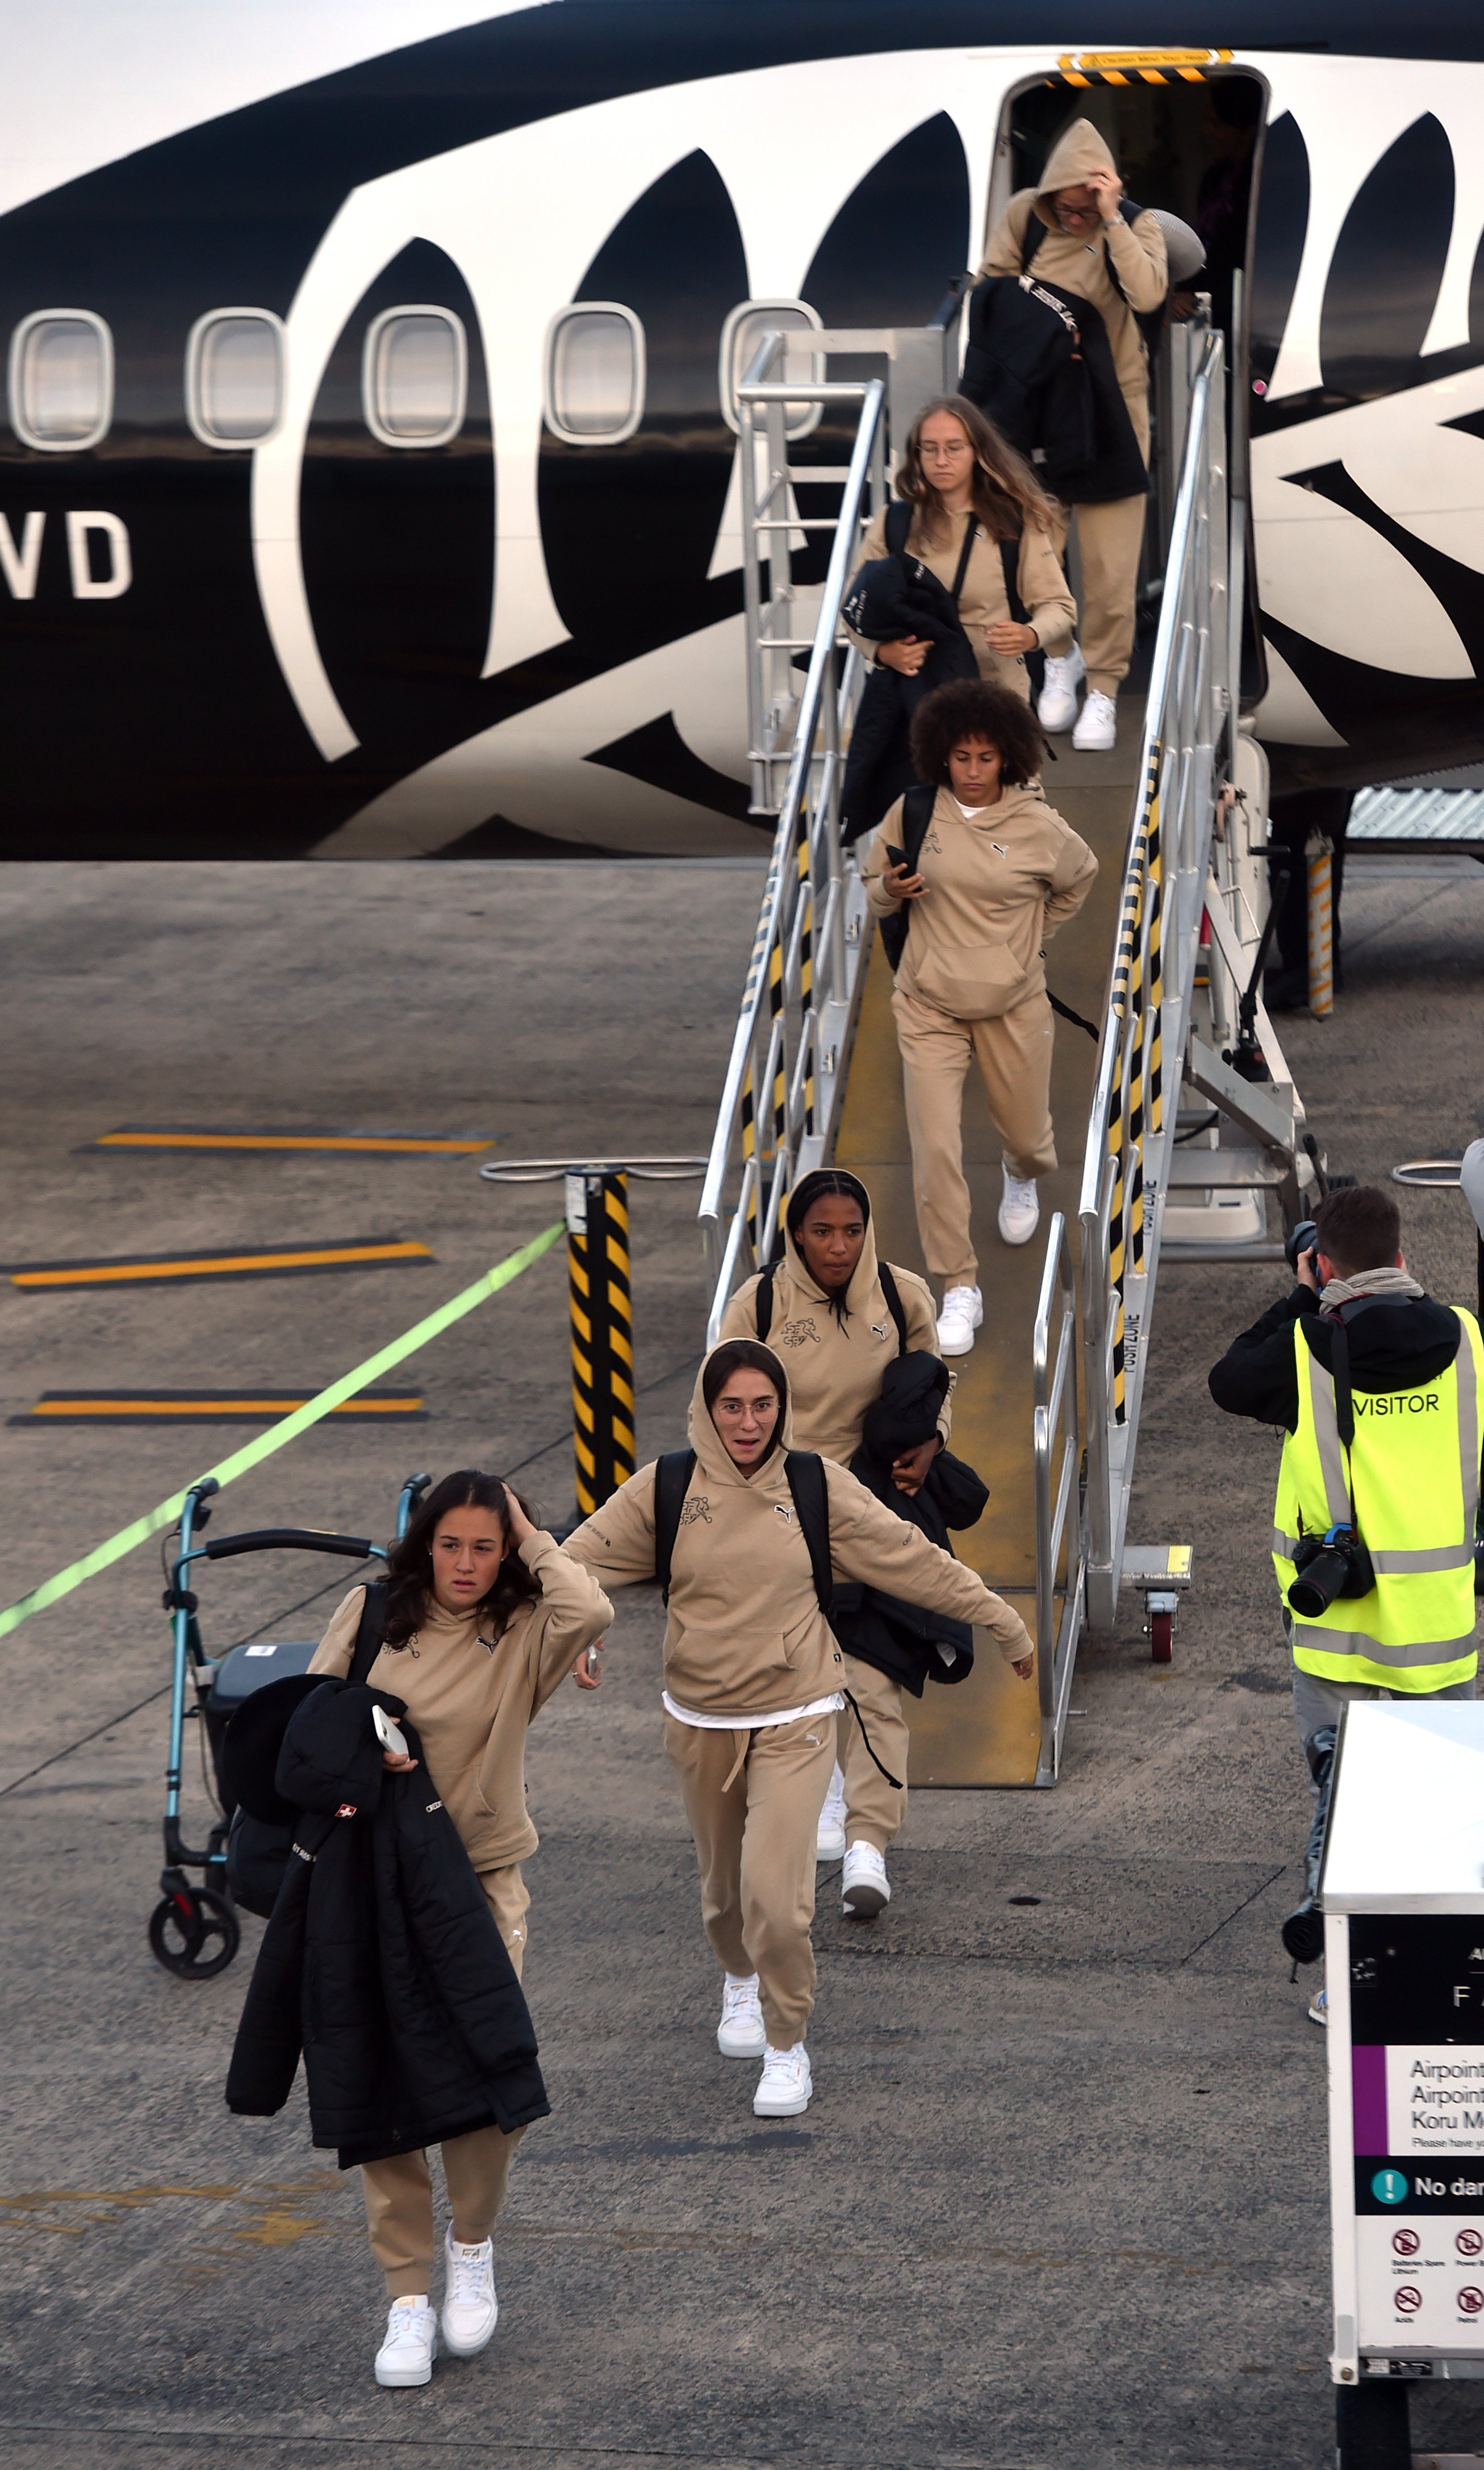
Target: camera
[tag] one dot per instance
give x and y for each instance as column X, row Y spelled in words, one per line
column 1330, row 1566
column 1304, row 1238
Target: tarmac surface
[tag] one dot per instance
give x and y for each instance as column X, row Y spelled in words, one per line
column 1062, row 2197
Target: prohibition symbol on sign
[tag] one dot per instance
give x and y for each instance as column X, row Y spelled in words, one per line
column 1405, row 2242
column 1470, row 2301
column 1470, row 2242
column 1408, row 2299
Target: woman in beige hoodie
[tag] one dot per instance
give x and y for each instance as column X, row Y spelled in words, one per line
column 957, row 470
column 825, row 1308
column 998, row 873
column 1086, row 245
column 485, row 1618
column 753, row 1679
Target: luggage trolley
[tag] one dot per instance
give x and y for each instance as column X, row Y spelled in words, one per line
column 195, row 1931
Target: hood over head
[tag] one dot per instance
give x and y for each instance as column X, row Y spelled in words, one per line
column 1078, row 151
column 712, row 1458
column 865, row 1276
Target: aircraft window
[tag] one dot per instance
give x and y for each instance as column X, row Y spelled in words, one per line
column 741, row 334
column 414, row 378
column 594, row 374
column 234, row 376
column 61, row 380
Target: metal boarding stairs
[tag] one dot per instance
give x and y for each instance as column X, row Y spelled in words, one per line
column 1193, row 1117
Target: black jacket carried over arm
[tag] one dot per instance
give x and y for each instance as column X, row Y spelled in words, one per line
column 892, row 597
column 381, row 1963
column 1040, row 367
column 912, row 1646
column 1395, row 1343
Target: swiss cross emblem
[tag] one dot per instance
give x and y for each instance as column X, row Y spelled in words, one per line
column 347, row 1810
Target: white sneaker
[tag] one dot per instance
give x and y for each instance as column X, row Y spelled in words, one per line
column 863, row 1885
column 740, row 2034
column 786, row 2085
column 829, row 1842
column 1057, row 708
column 1097, row 729
column 407, row 2355
column 1319, row 2007
column 471, row 2309
column 1020, row 1210
column 963, row 1312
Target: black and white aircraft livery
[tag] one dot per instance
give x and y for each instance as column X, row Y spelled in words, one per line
column 370, row 455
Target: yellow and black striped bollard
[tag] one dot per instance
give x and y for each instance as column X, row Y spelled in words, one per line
column 597, row 1264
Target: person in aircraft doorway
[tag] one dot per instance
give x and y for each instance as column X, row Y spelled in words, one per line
column 1378, row 1389
column 971, row 511
column 749, row 1534
column 843, row 1317
column 1073, row 229
column 985, row 874
column 484, row 1618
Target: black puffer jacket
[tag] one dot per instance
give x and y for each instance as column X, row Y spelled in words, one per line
column 889, row 599
column 1395, row 1343
column 381, row 1962
column 899, row 1638
column 1040, row 367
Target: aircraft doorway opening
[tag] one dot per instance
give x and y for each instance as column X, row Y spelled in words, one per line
column 1195, row 149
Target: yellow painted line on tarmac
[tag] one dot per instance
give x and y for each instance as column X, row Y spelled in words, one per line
column 184, row 1406
column 39, row 1275
column 164, row 1136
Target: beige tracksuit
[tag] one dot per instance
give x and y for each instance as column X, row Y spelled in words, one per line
column 983, row 602
column 1109, row 535
column 471, row 1695
column 1000, row 881
column 834, row 1363
column 747, row 1645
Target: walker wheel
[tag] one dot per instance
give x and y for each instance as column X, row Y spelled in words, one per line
column 195, row 1935
column 1161, row 1637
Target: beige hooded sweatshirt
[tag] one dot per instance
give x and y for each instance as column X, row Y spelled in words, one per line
column 472, row 1694
column 984, row 602
column 835, row 1366
column 999, row 884
column 1080, row 265
column 746, row 1638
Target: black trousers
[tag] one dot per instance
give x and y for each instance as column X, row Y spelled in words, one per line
column 1291, row 821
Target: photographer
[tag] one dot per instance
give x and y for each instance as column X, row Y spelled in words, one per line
column 1378, row 1388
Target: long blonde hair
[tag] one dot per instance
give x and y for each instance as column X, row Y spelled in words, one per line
column 1007, row 496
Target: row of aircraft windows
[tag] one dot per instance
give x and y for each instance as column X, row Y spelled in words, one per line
column 414, row 374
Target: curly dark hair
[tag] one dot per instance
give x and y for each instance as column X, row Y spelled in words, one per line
column 409, row 1560
column 972, row 708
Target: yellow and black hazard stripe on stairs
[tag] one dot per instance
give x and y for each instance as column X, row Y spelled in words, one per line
column 266, row 1136
column 246, row 1405
column 270, row 1261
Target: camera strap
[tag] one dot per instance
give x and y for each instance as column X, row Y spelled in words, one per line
column 1344, row 1402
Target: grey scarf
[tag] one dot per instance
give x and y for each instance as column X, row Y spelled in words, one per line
column 1388, row 1283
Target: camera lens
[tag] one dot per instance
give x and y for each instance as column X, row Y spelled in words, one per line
column 1324, row 1578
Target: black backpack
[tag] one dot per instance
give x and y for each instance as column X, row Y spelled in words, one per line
column 806, row 1481
column 888, row 1288
column 917, row 815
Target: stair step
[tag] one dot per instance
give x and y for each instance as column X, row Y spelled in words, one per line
column 1224, row 1170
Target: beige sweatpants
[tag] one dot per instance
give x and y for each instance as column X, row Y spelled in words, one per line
column 1109, row 539
column 1014, row 1058
column 874, row 1809
column 754, row 1800
column 398, row 2192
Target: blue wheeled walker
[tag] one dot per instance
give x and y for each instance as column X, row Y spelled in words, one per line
column 194, row 1930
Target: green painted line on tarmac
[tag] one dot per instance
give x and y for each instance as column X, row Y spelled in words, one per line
column 103, row 1555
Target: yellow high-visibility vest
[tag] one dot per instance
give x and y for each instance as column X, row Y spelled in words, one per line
column 1413, row 1471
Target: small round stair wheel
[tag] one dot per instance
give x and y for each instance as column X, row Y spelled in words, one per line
column 195, row 1936
column 1161, row 1637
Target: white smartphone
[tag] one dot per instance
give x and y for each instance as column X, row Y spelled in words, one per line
column 387, row 1733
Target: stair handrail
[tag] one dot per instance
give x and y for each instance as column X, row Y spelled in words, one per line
column 785, row 1075
column 1151, row 975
